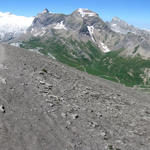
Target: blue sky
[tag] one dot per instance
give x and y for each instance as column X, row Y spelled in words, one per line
column 136, row 12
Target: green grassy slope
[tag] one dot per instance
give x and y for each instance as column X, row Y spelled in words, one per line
column 87, row 57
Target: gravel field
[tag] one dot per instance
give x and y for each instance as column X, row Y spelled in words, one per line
column 45, row 105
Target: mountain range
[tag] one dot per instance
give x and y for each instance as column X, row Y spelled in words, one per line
column 81, row 25
column 84, row 41
column 120, row 26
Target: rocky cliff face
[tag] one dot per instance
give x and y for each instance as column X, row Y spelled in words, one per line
column 134, row 37
column 84, row 25
column 81, row 25
column 46, row 105
column 120, row 26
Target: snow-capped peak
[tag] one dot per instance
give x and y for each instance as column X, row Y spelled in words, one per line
column 84, row 12
column 10, row 23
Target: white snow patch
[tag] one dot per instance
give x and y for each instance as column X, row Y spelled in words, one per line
column 32, row 30
column 16, row 44
column 60, row 26
column 37, row 34
column 114, row 25
column 85, row 12
column 10, row 23
column 43, row 32
column 36, row 50
column 105, row 48
column 91, row 31
column 51, row 56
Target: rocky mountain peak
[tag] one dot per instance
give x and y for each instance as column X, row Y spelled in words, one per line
column 119, row 21
column 121, row 26
column 84, row 12
column 116, row 19
column 45, row 11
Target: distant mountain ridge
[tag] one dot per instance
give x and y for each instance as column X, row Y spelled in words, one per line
column 120, row 26
column 86, row 25
column 82, row 25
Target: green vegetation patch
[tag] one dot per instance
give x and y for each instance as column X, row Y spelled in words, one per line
column 88, row 57
column 135, row 49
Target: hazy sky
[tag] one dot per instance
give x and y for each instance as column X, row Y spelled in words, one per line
column 136, row 12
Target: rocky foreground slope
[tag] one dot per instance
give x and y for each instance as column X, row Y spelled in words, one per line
column 45, row 105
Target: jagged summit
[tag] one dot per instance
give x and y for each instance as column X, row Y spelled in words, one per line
column 45, row 11
column 119, row 25
column 118, row 20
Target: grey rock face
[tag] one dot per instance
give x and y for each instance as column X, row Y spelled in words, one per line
column 46, row 19
column 121, row 26
column 133, row 37
column 52, row 106
column 45, row 11
column 84, row 25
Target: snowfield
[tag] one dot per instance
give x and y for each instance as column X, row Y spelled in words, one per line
column 91, row 31
column 60, row 26
column 105, row 48
column 85, row 12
